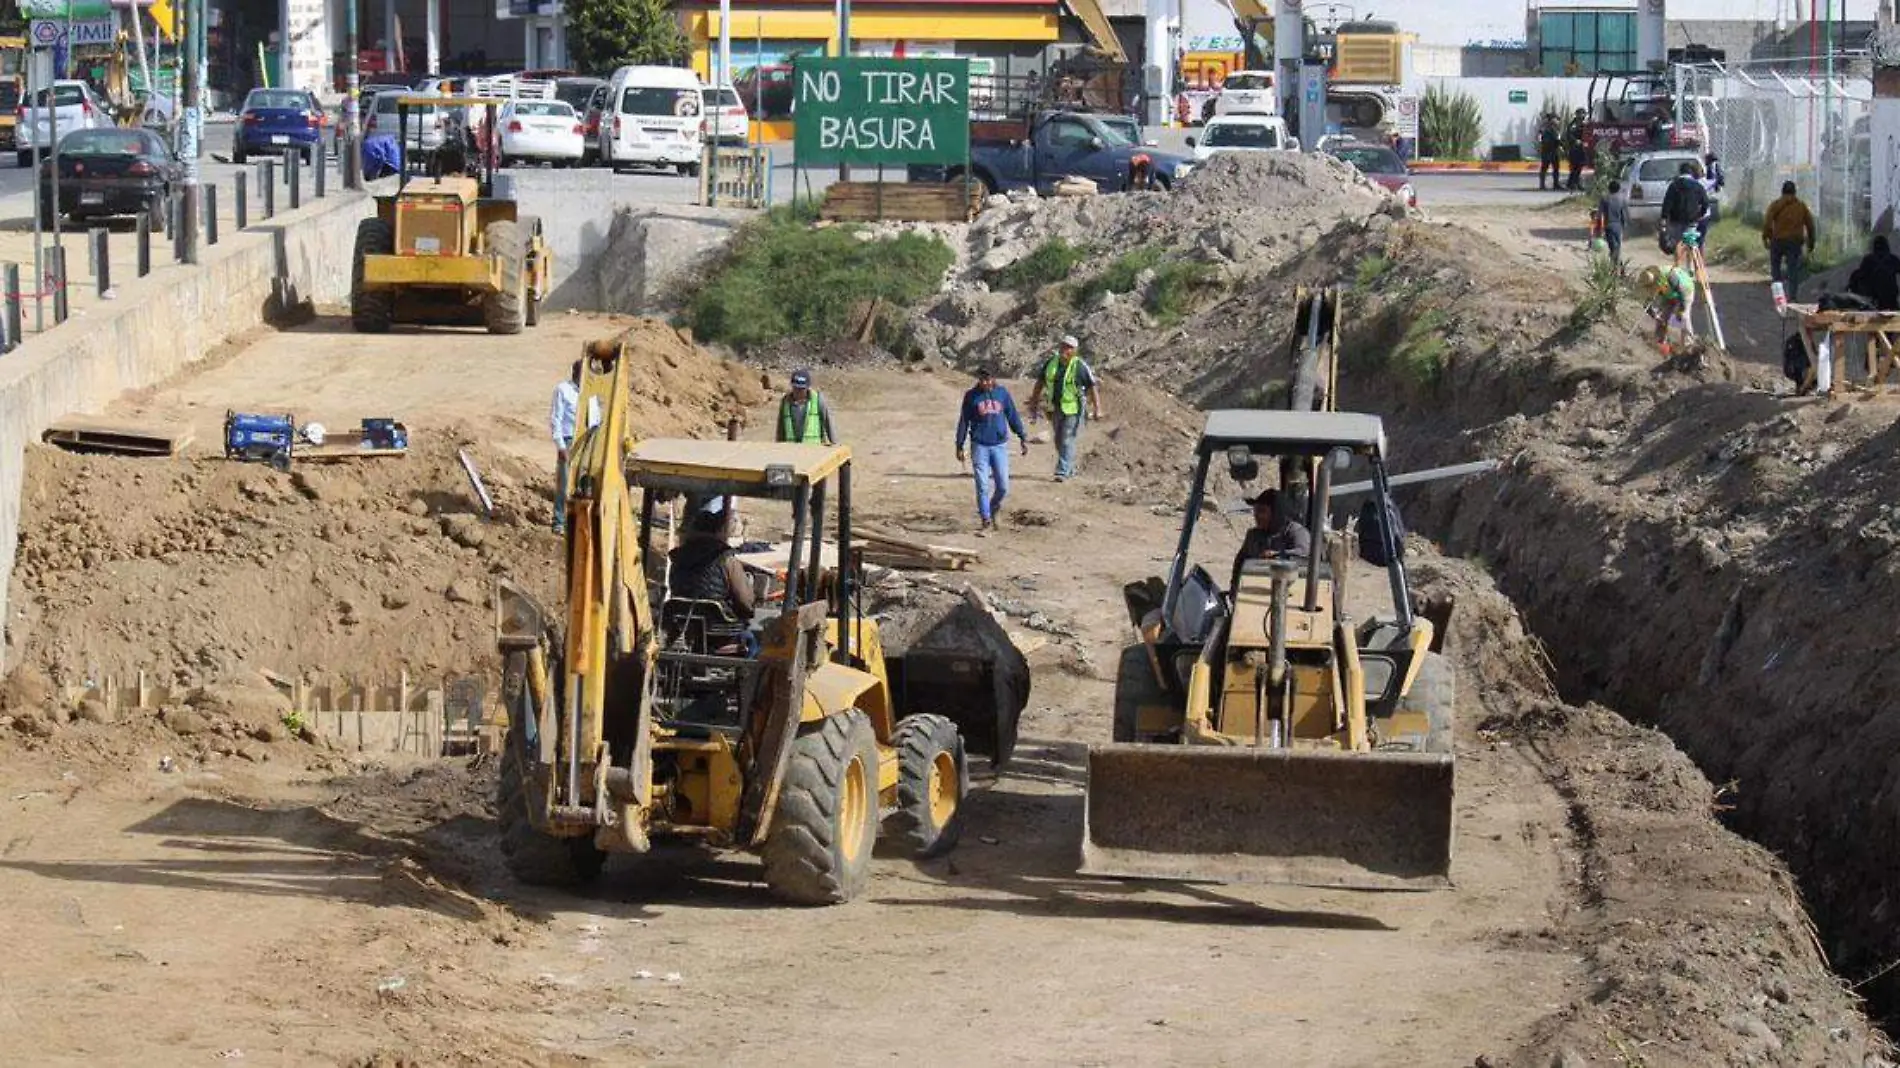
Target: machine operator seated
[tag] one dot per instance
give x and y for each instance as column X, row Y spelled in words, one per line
column 705, row 568
column 1273, row 534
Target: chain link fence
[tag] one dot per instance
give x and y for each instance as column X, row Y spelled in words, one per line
column 1798, row 120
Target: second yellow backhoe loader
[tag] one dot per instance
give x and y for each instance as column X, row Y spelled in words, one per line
column 640, row 715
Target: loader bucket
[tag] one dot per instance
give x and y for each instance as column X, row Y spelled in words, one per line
column 959, row 662
column 1306, row 817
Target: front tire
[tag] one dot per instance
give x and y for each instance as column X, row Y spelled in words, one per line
column 933, row 778
column 371, row 310
column 818, row 851
column 1135, row 686
column 533, row 857
column 502, row 310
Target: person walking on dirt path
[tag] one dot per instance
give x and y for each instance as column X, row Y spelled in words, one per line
column 985, row 422
column 1272, row 534
column 1878, row 276
column 563, row 413
column 1061, row 383
column 1577, row 151
column 1613, row 214
column 1549, row 144
column 803, row 416
column 1684, row 204
column 1786, row 228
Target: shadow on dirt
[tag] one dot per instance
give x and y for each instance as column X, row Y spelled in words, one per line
column 225, row 847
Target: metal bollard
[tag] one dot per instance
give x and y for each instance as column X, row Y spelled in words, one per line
column 15, row 320
column 145, row 243
column 293, row 165
column 56, row 271
column 175, row 220
column 211, row 214
column 322, row 158
column 241, row 205
column 101, row 241
column 267, row 184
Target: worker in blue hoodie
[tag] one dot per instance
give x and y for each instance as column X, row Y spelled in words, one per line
column 988, row 418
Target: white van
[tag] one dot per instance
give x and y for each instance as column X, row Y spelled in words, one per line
column 653, row 117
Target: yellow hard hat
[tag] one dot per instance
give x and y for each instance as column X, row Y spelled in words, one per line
column 1650, row 278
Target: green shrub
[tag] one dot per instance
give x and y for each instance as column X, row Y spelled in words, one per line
column 1177, row 285
column 782, row 279
column 1120, row 274
column 1369, row 271
column 1450, row 124
column 1052, row 261
column 1603, row 292
column 1420, row 355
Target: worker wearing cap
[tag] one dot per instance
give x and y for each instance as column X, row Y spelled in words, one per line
column 988, row 417
column 1674, row 288
column 1062, row 382
column 802, row 414
column 1273, row 534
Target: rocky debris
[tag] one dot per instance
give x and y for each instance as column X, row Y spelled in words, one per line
column 184, row 722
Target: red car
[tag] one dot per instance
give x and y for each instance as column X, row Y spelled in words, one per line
column 1380, row 164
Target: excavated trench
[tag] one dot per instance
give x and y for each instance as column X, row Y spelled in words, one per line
column 1688, row 554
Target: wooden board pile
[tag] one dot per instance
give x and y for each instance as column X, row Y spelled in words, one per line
column 901, row 201
column 889, row 550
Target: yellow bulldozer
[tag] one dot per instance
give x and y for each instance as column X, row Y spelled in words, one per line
column 449, row 246
column 644, row 714
column 1270, row 731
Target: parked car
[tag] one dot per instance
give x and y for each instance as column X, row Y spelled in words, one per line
column 653, row 118
column 1647, row 176
column 74, row 107
column 540, row 130
column 1050, row 147
column 108, row 171
column 1247, row 92
column 590, row 124
column 279, row 121
column 725, row 113
column 1243, row 133
column 1380, row 164
column 428, row 126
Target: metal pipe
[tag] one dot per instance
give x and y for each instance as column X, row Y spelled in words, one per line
column 241, row 205
column 1401, row 592
column 191, row 11
column 145, row 243
column 847, row 574
column 101, row 262
column 14, row 324
column 1413, row 478
column 1322, row 492
column 352, row 113
column 211, row 215
column 574, row 738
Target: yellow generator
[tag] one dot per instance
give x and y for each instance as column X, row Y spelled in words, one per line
column 449, row 247
column 1264, row 731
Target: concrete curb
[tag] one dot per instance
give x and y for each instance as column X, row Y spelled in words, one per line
column 1472, row 167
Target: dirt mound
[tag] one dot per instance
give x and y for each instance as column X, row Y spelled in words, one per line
column 1696, row 939
column 199, row 569
column 1236, row 217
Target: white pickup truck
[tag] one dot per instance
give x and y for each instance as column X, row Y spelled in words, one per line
column 74, row 108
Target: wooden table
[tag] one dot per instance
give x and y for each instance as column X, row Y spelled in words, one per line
column 1879, row 326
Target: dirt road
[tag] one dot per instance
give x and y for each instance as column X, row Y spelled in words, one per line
column 294, row 906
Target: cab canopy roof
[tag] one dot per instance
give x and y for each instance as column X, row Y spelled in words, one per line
column 1281, row 433
column 743, row 468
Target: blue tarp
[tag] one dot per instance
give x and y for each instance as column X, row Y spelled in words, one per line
column 382, row 156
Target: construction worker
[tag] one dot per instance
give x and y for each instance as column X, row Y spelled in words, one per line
column 705, row 568
column 802, row 414
column 1273, row 534
column 562, row 417
column 987, row 418
column 1786, row 227
column 1674, row 288
column 1061, row 383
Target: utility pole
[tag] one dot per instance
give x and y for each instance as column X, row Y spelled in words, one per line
column 352, row 117
column 191, row 12
column 844, row 50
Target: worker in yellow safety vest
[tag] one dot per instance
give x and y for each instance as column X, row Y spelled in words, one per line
column 1061, row 384
column 802, row 415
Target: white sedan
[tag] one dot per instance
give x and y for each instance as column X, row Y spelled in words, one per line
column 1243, row 133
column 540, row 130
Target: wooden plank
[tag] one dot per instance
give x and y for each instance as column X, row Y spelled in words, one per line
column 83, row 433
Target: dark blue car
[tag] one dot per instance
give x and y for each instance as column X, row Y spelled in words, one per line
column 279, row 122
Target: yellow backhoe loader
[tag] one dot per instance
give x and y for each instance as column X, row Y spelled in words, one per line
column 645, row 715
column 1267, row 732
column 450, row 245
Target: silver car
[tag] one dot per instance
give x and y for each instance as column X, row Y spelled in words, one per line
column 428, row 127
column 1647, row 176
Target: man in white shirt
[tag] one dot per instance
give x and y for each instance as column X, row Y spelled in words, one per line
column 562, row 417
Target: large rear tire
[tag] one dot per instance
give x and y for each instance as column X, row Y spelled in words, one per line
column 371, row 310
column 818, row 851
column 533, row 857
column 1135, row 686
column 1434, row 692
column 502, row 310
column 933, row 778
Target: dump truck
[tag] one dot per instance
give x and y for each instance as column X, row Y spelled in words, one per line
column 450, row 245
column 640, row 714
column 1267, row 730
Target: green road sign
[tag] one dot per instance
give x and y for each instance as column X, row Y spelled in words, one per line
column 1520, row 96
column 866, row 111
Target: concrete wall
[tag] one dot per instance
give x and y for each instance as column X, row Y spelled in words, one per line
column 161, row 324
column 1506, row 123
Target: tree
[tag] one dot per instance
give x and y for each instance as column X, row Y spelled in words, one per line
column 605, row 34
